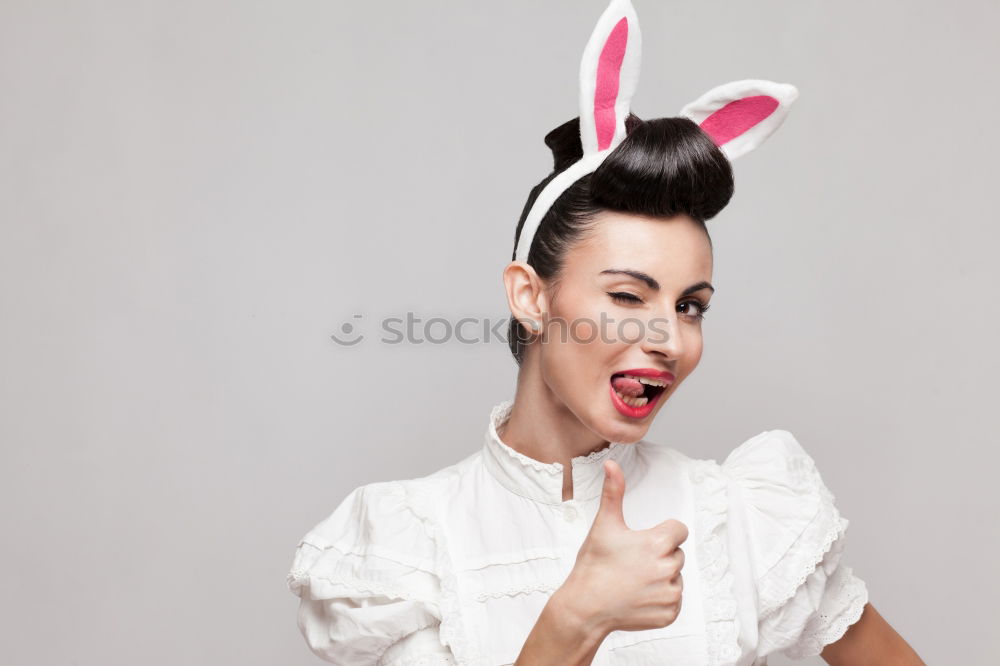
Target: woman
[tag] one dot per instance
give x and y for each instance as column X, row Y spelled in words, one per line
column 568, row 538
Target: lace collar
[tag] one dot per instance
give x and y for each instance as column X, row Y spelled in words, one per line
column 543, row 482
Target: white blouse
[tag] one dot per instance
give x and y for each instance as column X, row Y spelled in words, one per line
column 455, row 567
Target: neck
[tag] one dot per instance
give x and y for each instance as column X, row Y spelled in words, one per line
column 542, row 427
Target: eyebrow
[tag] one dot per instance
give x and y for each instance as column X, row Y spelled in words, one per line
column 651, row 281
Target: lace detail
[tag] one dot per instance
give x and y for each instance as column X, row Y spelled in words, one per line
column 299, row 577
column 500, row 414
column 779, row 584
column 711, row 505
column 425, row 660
column 599, row 455
column 307, row 571
column 513, row 591
column 453, row 633
column 359, row 585
column 849, row 597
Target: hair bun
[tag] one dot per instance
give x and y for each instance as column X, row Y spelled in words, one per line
column 564, row 142
column 664, row 167
column 566, row 146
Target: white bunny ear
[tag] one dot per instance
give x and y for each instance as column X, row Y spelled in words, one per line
column 609, row 72
column 740, row 115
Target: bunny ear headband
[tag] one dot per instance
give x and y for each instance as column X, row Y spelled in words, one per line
column 738, row 115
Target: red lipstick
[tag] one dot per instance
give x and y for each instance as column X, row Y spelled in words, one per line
column 636, row 389
column 648, row 372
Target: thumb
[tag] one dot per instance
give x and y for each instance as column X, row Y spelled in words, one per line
column 610, row 510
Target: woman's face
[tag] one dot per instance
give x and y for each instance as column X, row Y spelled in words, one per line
column 629, row 298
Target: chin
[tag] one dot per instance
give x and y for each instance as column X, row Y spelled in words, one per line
column 626, row 433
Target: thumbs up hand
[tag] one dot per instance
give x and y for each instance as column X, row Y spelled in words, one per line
column 623, row 578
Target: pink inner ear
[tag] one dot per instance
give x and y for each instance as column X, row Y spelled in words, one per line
column 737, row 117
column 606, row 91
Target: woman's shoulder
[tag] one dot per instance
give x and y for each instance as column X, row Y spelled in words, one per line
column 774, row 458
column 383, row 508
column 770, row 451
column 794, row 535
column 787, row 513
column 388, row 517
column 773, row 474
column 371, row 578
column 372, row 519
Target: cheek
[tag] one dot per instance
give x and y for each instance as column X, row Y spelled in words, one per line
column 573, row 352
column 582, row 331
column 573, row 328
column 693, row 350
column 631, row 330
column 576, row 354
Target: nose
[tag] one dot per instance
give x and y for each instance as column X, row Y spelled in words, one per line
column 663, row 336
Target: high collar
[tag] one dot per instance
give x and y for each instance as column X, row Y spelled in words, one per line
column 543, row 482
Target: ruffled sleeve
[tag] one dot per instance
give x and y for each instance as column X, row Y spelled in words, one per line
column 366, row 579
column 807, row 598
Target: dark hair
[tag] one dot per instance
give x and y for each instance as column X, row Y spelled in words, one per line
column 664, row 167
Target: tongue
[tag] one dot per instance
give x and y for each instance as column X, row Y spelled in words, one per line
column 631, row 387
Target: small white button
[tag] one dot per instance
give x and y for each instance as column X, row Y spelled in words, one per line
column 569, row 513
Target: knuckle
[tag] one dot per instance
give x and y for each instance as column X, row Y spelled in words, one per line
column 669, row 615
column 666, row 570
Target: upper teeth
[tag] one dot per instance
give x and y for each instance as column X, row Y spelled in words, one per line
column 648, row 380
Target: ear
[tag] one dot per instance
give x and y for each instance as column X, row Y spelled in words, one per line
column 609, row 73
column 525, row 295
column 740, row 115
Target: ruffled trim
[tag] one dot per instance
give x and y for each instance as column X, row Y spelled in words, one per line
column 500, row 414
column 598, row 455
column 712, row 507
column 306, row 555
column 348, row 554
column 425, row 660
column 323, row 572
column 791, row 513
column 779, row 584
column 852, row 588
column 452, row 630
column 513, row 591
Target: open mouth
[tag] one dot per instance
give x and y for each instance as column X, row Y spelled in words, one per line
column 636, row 391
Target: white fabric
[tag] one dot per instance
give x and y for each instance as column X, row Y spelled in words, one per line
column 627, row 75
column 716, row 98
column 593, row 155
column 454, row 567
column 745, row 139
column 543, row 202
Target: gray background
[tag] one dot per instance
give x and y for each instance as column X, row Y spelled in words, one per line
column 195, row 195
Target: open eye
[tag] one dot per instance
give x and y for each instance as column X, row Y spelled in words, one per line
column 624, row 297
column 699, row 309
